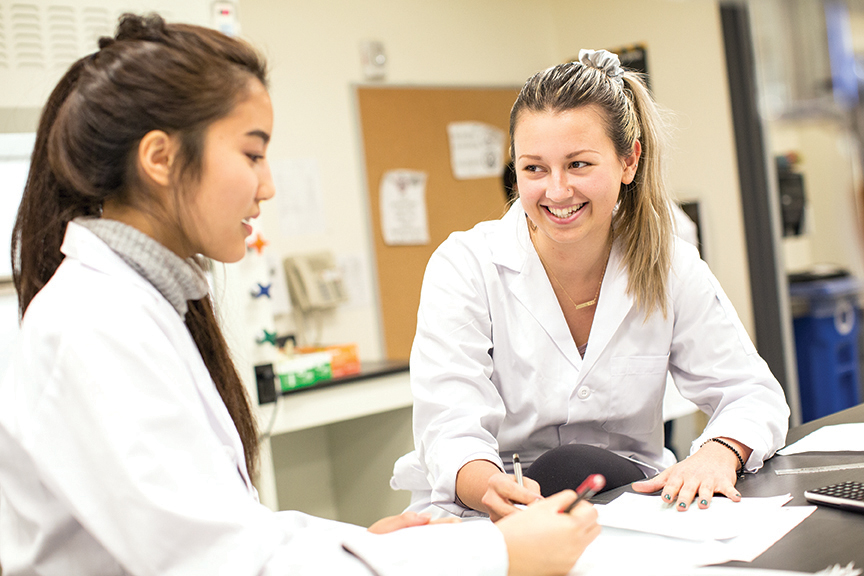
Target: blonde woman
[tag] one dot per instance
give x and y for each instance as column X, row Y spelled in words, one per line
column 549, row 333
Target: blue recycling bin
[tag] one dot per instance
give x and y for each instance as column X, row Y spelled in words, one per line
column 826, row 323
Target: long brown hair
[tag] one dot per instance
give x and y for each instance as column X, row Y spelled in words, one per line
column 643, row 221
column 150, row 76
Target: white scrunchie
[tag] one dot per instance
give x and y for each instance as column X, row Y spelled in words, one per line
column 605, row 61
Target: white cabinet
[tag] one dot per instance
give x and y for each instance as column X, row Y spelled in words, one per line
column 331, row 448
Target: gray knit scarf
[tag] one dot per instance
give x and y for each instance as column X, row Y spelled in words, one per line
column 178, row 280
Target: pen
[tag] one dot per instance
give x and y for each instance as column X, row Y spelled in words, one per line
column 593, row 484
column 517, row 469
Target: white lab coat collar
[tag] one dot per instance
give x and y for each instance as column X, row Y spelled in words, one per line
column 81, row 244
column 512, row 249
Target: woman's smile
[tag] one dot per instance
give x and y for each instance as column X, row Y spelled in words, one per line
column 565, row 213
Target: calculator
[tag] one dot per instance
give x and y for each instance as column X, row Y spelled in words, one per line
column 848, row 495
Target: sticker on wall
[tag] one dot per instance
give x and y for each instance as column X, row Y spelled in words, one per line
column 402, row 201
column 256, row 243
column 261, row 290
column 476, row 150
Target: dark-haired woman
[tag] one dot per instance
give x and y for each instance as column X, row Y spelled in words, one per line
column 127, row 443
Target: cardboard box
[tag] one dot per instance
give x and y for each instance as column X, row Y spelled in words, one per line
column 303, row 370
column 343, row 358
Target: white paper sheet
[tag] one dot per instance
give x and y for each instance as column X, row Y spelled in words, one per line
column 298, row 197
column 722, row 520
column 402, row 204
column 476, row 150
column 837, row 438
column 355, row 279
column 655, row 555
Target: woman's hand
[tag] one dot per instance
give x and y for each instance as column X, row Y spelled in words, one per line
column 482, row 486
column 710, row 470
column 502, row 492
column 407, row 520
column 543, row 541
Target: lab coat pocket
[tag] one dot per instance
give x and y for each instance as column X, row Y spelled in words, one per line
column 637, row 394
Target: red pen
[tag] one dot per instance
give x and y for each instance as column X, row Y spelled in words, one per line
column 593, row 484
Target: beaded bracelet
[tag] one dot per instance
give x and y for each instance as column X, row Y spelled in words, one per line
column 740, row 471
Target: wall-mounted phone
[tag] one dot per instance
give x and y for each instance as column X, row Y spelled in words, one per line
column 315, row 281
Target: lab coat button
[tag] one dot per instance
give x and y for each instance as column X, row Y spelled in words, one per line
column 583, row 392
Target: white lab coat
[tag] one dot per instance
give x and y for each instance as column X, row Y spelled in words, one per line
column 117, row 455
column 495, row 370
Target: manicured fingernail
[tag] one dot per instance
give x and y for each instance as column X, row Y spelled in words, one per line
column 682, row 504
column 703, row 502
column 737, row 495
column 667, row 496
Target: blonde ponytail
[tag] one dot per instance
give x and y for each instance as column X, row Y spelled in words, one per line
column 643, row 222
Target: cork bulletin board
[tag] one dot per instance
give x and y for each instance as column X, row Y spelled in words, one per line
column 405, row 128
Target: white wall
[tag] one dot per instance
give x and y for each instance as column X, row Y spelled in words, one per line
column 314, row 53
column 39, row 39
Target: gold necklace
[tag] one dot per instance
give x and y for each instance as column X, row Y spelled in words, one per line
column 593, row 301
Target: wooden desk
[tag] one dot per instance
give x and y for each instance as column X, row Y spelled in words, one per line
column 828, row 536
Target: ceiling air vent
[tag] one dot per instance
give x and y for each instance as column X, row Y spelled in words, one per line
column 62, row 36
column 26, row 40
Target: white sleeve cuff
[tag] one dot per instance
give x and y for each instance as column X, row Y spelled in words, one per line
column 473, row 548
